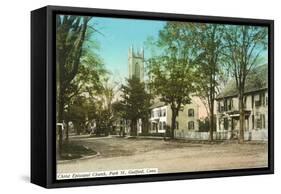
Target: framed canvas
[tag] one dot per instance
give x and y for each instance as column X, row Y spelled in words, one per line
column 126, row 96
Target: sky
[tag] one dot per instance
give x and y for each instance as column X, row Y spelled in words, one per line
column 118, row 35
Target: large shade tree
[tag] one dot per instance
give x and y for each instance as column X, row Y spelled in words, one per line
column 78, row 68
column 70, row 36
column 172, row 71
column 246, row 45
column 209, row 45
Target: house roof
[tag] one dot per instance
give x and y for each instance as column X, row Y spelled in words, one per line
column 157, row 104
column 256, row 80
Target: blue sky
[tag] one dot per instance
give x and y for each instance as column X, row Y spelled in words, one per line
column 118, row 36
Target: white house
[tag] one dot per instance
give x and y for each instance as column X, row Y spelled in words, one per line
column 161, row 118
column 256, row 106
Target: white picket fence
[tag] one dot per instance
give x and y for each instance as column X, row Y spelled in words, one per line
column 258, row 135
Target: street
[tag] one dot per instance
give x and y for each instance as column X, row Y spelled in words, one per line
column 168, row 156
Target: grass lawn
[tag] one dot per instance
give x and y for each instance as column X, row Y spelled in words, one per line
column 71, row 150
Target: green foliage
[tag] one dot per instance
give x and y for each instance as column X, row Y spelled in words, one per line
column 244, row 46
column 80, row 71
column 71, row 151
column 135, row 102
column 79, row 112
column 172, row 72
column 209, row 45
column 70, row 36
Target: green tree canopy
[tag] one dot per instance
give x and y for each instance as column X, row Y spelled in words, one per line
column 172, row 72
column 135, row 102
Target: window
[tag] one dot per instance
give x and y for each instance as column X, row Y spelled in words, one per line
column 191, row 112
column 164, row 112
column 263, row 119
column 245, row 102
column 191, row 125
column 225, row 123
column 177, row 125
column 253, row 121
column 259, row 123
column 225, row 104
column 164, row 125
column 230, row 104
column 154, row 126
column 262, row 98
column 253, row 99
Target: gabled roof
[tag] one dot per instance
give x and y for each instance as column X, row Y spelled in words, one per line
column 157, row 105
column 256, row 80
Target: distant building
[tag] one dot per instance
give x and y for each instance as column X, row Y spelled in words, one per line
column 161, row 115
column 121, row 126
column 136, row 64
column 256, row 103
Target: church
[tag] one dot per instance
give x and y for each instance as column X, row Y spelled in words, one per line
column 160, row 117
column 136, row 63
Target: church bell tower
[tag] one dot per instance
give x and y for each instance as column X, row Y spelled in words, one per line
column 136, row 63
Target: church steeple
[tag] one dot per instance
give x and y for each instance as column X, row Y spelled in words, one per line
column 136, row 63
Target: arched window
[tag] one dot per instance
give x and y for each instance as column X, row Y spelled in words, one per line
column 191, row 112
column 191, row 125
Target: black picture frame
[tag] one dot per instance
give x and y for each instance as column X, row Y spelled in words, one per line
column 43, row 153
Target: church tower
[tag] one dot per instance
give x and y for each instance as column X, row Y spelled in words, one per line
column 136, row 63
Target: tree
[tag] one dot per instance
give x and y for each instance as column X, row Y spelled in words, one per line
column 245, row 47
column 87, row 82
column 210, row 47
column 135, row 102
column 172, row 72
column 70, row 36
column 119, row 113
column 77, row 113
column 105, row 113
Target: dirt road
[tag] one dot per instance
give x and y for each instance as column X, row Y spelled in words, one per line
column 119, row 153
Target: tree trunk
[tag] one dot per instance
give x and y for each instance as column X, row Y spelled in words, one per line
column 241, row 117
column 133, row 131
column 60, row 141
column 145, row 125
column 212, row 121
column 66, row 132
column 211, row 105
column 174, row 116
column 60, row 120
